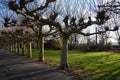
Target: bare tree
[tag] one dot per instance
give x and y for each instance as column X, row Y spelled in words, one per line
column 8, row 18
column 32, row 11
column 75, row 23
column 67, row 20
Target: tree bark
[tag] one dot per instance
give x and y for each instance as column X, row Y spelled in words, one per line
column 13, row 47
column 64, row 53
column 41, row 48
column 23, row 49
column 18, row 48
column 10, row 47
column 30, row 49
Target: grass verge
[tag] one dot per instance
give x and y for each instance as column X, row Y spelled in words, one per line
column 86, row 65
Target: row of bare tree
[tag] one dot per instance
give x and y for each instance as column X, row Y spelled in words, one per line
column 52, row 17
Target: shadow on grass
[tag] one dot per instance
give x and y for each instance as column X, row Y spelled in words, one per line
column 112, row 74
column 102, row 67
column 115, row 76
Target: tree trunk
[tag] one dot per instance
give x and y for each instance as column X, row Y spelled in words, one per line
column 41, row 48
column 23, row 49
column 10, row 47
column 30, row 49
column 18, row 48
column 7, row 46
column 64, row 53
column 13, row 47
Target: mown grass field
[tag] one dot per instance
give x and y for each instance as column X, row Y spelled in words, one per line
column 88, row 65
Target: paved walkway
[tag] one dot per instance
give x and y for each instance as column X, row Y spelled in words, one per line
column 14, row 67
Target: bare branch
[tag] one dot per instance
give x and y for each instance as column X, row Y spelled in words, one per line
column 99, row 32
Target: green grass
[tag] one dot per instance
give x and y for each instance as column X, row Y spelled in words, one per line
column 89, row 65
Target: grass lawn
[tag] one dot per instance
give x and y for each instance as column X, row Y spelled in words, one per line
column 88, row 65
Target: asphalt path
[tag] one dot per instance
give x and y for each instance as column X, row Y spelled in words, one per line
column 14, row 67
